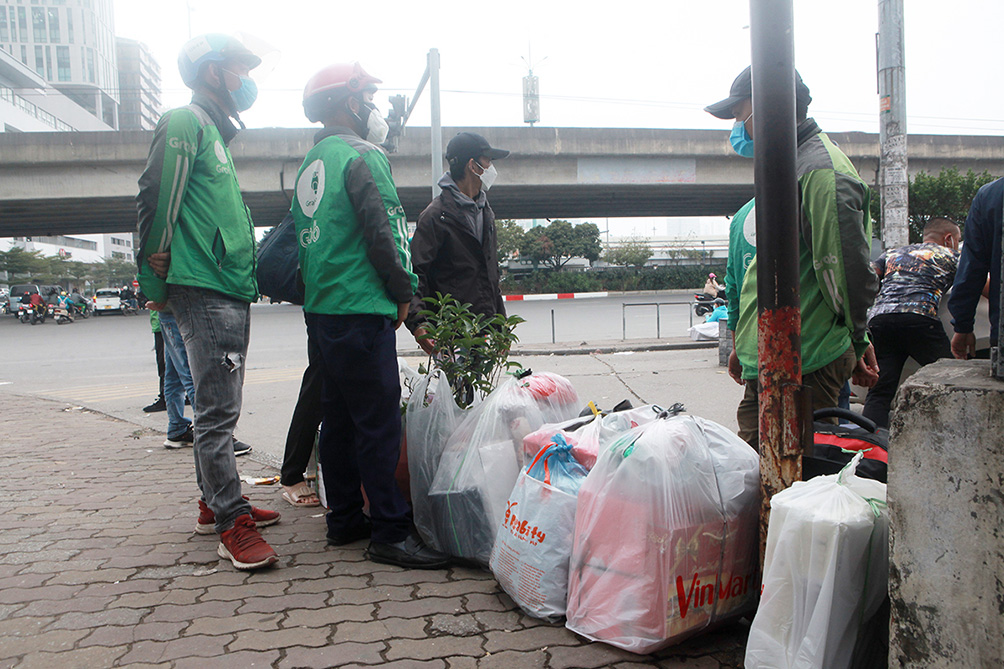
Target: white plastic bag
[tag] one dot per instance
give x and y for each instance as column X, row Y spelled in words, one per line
column 431, row 417
column 665, row 535
column 825, row 571
column 534, row 542
column 480, row 465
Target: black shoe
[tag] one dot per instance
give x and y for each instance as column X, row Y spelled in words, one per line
column 188, row 402
column 158, row 405
column 350, row 536
column 240, row 448
column 186, row 438
column 411, row 553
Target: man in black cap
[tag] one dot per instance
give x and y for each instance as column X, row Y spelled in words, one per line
column 838, row 283
column 454, row 249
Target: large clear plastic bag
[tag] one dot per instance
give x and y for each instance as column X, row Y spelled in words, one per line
column 665, row 535
column 431, row 417
column 825, row 571
column 534, row 542
column 480, row 465
column 589, row 434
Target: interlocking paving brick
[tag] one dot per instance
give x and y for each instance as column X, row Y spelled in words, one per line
column 529, row 639
column 419, row 607
column 192, row 646
column 248, row 622
column 510, row 659
column 244, row 659
column 45, row 642
column 115, row 616
column 587, row 657
column 405, row 664
column 329, row 615
column 158, row 598
column 81, row 658
column 122, row 636
column 281, row 603
column 176, row 613
column 334, row 655
column 380, row 630
column 427, row 649
column 233, row 592
column 284, row 638
column 464, row 624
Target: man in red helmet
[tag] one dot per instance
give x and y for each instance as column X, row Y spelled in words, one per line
column 356, row 269
column 196, row 259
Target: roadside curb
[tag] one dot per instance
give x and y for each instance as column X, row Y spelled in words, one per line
column 587, row 349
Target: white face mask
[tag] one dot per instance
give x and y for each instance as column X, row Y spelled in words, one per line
column 376, row 128
column 488, row 176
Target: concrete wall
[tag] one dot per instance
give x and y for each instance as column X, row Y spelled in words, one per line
column 946, row 477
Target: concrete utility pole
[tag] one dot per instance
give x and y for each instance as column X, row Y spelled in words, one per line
column 437, row 123
column 893, row 179
column 781, row 394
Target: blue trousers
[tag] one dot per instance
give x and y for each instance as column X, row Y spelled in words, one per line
column 361, row 433
column 177, row 376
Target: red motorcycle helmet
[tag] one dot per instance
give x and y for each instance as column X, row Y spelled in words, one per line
column 333, row 84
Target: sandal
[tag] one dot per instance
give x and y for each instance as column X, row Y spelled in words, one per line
column 300, row 495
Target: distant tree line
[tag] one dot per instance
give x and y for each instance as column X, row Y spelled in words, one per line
column 33, row 267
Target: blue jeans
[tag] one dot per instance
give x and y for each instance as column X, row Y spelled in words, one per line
column 215, row 329
column 177, row 376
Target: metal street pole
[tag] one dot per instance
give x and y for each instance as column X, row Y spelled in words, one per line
column 437, row 126
column 893, row 179
column 779, row 313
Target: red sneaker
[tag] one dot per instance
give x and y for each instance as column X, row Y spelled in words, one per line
column 207, row 519
column 243, row 546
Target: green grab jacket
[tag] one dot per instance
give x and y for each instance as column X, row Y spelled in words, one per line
column 351, row 228
column 836, row 280
column 190, row 204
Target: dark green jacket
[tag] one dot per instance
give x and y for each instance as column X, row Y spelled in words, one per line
column 190, row 204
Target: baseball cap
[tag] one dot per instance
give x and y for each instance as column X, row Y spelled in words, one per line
column 742, row 89
column 467, row 145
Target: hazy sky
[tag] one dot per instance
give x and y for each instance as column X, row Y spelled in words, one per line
column 630, row 63
column 652, row 64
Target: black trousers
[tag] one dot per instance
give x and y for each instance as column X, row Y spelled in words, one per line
column 158, row 347
column 307, row 417
column 361, row 434
column 897, row 337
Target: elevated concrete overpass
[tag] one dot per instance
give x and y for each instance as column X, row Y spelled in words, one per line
column 65, row 183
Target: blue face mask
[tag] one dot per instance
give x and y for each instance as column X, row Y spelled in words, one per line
column 740, row 140
column 245, row 96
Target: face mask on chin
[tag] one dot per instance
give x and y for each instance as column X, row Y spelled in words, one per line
column 740, row 140
column 487, row 176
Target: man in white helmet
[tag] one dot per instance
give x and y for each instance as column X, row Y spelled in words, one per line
column 196, row 258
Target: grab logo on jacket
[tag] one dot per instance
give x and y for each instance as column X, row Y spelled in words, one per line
column 221, row 155
column 310, row 187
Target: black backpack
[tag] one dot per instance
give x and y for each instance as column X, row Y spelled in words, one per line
column 279, row 264
column 835, row 445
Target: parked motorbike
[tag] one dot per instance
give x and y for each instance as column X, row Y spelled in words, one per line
column 704, row 304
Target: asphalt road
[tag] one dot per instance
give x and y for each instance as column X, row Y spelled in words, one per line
column 107, row 363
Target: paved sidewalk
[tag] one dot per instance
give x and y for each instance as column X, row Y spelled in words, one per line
column 99, row 567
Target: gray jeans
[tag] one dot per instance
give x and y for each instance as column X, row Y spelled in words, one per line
column 216, row 329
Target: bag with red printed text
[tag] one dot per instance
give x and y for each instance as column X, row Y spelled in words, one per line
column 533, row 545
column 665, row 538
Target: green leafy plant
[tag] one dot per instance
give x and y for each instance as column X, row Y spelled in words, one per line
column 471, row 349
